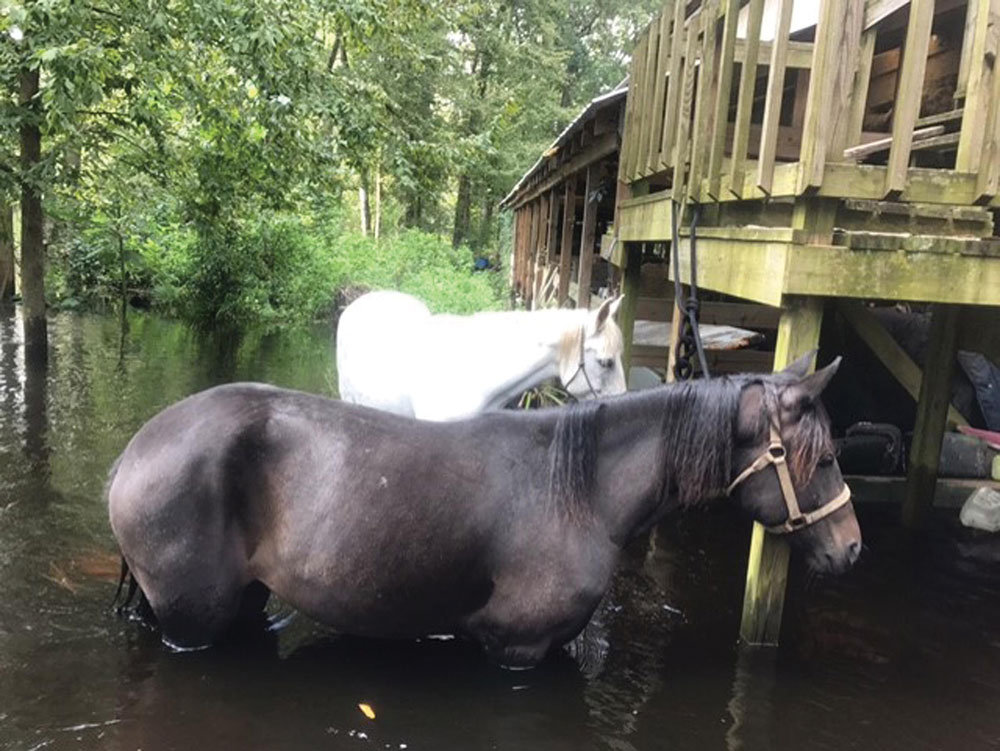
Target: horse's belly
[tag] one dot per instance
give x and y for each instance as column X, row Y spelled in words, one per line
column 402, row 606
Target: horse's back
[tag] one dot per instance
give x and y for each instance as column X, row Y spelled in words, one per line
column 374, row 339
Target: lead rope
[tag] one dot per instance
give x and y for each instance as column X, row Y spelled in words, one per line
column 581, row 368
column 689, row 342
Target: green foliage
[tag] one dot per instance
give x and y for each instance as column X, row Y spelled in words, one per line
column 192, row 153
column 420, row 264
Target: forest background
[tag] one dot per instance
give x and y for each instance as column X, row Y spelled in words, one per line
column 243, row 162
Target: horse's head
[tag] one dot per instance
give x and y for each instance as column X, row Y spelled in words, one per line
column 590, row 355
column 786, row 473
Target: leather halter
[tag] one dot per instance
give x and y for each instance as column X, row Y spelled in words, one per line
column 580, row 367
column 775, row 456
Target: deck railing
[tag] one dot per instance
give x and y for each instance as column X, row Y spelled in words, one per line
column 715, row 113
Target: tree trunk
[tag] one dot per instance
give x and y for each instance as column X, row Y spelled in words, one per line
column 463, row 211
column 363, row 204
column 414, row 214
column 6, row 252
column 377, row 228
column 32, row 220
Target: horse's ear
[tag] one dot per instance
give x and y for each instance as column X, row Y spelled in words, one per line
column 608, row 310
column 809, row 388
column 800, row 368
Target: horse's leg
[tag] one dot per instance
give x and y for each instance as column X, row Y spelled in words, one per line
column 252, row 604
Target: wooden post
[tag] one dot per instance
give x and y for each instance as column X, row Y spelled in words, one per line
column 587, row 241
column 932, row 411
column 529, row 265
column 541, row 249
column 552, row 242
column 566, row 245
column 630, row 286
column 767, row 569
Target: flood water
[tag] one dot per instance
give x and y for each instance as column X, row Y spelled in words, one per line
column 902, row 653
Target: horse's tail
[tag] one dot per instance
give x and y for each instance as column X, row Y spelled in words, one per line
column 133, row 585
column 126, row 574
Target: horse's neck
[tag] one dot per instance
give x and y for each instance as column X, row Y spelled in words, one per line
column 630, row 484
column 502, row 354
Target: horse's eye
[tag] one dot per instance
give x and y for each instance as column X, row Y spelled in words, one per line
column 606, row 362
column 826, row 460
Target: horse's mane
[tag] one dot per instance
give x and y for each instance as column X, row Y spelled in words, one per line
column 698, row 420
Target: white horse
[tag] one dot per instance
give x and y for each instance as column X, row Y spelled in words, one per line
column 392, row 354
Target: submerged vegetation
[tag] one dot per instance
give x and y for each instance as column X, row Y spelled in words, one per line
column 240, row 162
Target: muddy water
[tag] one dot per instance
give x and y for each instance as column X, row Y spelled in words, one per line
column 903, row 653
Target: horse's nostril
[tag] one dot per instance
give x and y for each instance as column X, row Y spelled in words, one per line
column 854, row 550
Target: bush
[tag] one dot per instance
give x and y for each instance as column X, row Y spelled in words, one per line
column 273, row 269
column 420, row 264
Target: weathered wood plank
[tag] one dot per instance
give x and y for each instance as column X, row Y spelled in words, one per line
column 925, row 277
column 566, row 242
column 884, row 144
column 642, row 105
column 630, row 287
column 799, row 54
column 541, row 250
column 660, row 91
column 972, row 10
column 701, row 138
column 767, row 567
column 648, row 220
column 825, row 130
column 772, row 101
column 587, row 240
column 878, row 10
column 650, row 83
column 888, row 351
column 722, row 91
column 552, row 243
column 906, row 109
column 600, row 148
column 674, row 87
column 629, row 130
column 744, row 102
column 932, row 412
column 859, row 91
column 982, row 63
column 683, row 138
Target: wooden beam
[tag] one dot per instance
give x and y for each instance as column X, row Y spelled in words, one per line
column 674, row 86
column 630, row 287
column 877, row 11
column 859, row 93
column 552, row 241
column 906, row 109
column 722, row 91
column 932, row 411
column 702, row 136
column 745, row 99
column 767, row 567
column 682, row 139
column 884, row 144
column 772, row 99
column 835, row 61
column 587, row 240
column 888, row 351
column 660, row 91
column 799, row 54
column 601, row 147
column 972, row 11
column 566, row 245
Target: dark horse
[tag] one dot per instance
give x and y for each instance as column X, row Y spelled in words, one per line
column 504, row 528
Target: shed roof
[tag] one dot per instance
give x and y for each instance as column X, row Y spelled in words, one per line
column 617, row 93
